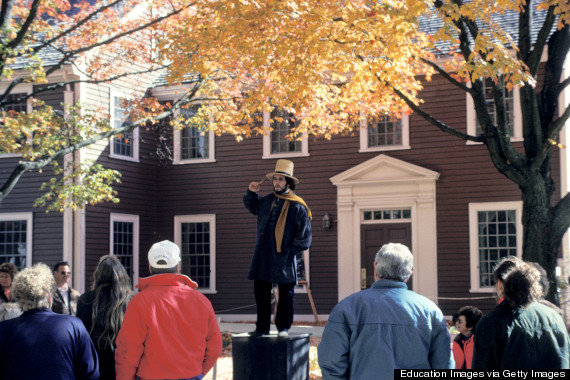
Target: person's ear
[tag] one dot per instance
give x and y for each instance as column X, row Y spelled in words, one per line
column 376, row 278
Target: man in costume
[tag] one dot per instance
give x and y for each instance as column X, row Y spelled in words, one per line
column 283, row 233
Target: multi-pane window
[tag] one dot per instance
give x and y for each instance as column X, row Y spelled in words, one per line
column 283, row 124
column 384, row 131
column 490, row 102
column 387, row 214
column 497, row 239
column 194, row 144
column 13, row 238
column 196, row 252
column 196, row 236
column 14, row 104
column 495, row 232
column 123, row 145
column 16, row 239
column 123, row 244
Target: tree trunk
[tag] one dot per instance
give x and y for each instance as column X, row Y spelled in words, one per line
column 540, row 245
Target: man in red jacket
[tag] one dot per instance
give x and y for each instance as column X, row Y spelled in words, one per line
column 170, row 329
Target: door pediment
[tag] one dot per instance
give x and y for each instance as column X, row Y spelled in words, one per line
column 384, row 168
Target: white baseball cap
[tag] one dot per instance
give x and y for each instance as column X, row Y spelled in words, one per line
column 164, row 254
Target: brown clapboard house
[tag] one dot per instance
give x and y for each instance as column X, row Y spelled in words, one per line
column 391, row 180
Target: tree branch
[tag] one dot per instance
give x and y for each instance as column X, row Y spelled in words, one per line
column 24, row 166
column 561, row 217
column 57, row 85
column 444, row 127
column 533, row 60
column 446, row 75
column 6, row 13
column 551, row 135
column 25, row 26
column 72, row 53
column 75, row 26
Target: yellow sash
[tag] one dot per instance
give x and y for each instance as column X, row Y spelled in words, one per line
column 280, row 226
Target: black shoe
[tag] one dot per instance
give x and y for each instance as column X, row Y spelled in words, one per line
column 256, row 333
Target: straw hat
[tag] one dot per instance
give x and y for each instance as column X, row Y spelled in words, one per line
column 284, row 168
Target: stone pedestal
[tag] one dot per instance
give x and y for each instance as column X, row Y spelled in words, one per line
column 270, row 357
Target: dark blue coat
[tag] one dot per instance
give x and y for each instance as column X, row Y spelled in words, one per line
column 267, row 264
column 515, row 338
column 41, row 344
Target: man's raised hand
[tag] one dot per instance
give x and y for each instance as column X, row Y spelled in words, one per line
column 256, row 186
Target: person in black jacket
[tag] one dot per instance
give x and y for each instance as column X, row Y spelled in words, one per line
column 283, row 233
column 65, row 297
column 520, row 333
column 102, row 310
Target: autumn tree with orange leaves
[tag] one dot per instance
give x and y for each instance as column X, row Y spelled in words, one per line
column 327, row 61
column 41, row 42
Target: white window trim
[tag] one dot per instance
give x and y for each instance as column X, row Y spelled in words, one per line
column 364, row 148
column 127, row 218
column 27, row 88
column 517, row 115
column 267, row 142
column 28, row 217
column 135, row 158
column 176, row 142
column 474, row 237
column 200, row 218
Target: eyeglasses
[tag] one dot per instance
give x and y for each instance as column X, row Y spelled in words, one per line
column 64, row 273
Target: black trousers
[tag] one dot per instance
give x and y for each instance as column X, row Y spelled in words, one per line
column 284, row 317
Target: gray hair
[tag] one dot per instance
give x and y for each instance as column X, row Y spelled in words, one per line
column 394, row 261
column 33, row 286
column 9, row 310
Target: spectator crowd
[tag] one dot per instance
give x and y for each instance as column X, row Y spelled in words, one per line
column 168, row 330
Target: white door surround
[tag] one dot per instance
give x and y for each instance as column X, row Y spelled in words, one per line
column 384, row 182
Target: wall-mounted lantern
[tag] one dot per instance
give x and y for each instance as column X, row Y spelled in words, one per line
column 326, row 221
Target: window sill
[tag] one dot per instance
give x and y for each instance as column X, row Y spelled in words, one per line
column 194, row 161
column 124, row 158
column 10, row 155
column 385, row 148
column 285, row 155
column 513, row 140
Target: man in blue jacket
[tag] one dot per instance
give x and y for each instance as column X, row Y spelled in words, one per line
column 386, row 327
column 41, row 344
column 283, row 232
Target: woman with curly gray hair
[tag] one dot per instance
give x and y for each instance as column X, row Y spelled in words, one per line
column 41, row 344
column 520, row 332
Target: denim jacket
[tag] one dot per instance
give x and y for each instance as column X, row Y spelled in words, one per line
column 377, row 330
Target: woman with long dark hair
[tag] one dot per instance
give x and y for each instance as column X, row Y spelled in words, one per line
column 102, row 310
